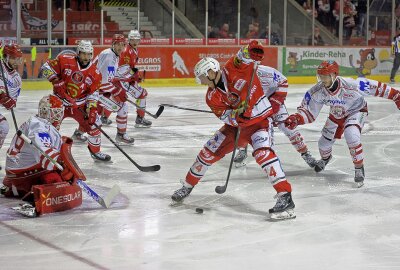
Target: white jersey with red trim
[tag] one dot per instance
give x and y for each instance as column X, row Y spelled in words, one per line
column 14, row 82
column 22, row 157
column 272, row 81
column 107, row 63
column 345, row 101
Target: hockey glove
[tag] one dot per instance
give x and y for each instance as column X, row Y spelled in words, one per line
column 91, row 110
column 396, row 99
column 136, row 75
column 6, row 101
column 119, row 94
column 60, row 89
column 293, row 121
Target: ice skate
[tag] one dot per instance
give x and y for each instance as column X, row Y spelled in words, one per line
column 79, row 136
column 4, row 190
column 141, row 122
column 359, row 176
column 105, row 121
column 26, row 209
column 284, row 207
column 181, row 193
column 241, row 158
column 100, row 156
column 123, row 138
column 320, row 164
column 309, row 159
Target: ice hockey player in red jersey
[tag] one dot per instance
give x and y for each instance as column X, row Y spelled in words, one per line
column 31, row 176
column 12, row 57
column 130, row 56
column 348, row 112
column 76, row 81
column 275, row 87
column 226, row 96
column 107, row 63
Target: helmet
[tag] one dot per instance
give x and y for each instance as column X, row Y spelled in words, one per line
column 51, row 108
column 134, row 34
column 118, row 38
column 13, row 50
column 84, row 46
column 254, row 51
column 204, row 65
column 328, row 67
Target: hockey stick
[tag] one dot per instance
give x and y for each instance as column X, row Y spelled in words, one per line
column 152, row 168
column 222, row 189
column 103, row 202
column 8, row 94
column 155, row 116
column 183, row 108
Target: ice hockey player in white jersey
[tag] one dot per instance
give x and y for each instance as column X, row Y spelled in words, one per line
column 107, row 63
column 275, row 87
column 348, row 112
column 31, row 176
column 12, row 57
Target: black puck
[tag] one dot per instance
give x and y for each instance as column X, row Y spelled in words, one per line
column 199, row 210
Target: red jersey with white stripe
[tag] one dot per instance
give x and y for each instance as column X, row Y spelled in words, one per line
column 13, row 82
column 348, row 99
column 82, row 83
column 231, row 93
column 129, row 56
column 107, row 63
column 23, row 157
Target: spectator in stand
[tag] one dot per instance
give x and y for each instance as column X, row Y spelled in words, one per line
column 253, row 31
column 80, row 3
column 60, row 5
column 318, row 41
column 361, row 13
column 224, row 32
column 349, row 22
column 307, row 5
column 275, row 37
column 324, row 8
column 212, row 33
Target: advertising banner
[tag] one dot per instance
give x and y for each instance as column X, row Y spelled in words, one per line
column 158, row 61
column 298, row 61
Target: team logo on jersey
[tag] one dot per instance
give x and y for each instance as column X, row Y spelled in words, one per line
column 45, row 139
column 77, row 77
column 338, row 111
column 364, row 86
column 307, row 98
column 233, row 98
column 111, row 71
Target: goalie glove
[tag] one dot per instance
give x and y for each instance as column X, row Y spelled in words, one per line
column 293, row 121
column 6, row 101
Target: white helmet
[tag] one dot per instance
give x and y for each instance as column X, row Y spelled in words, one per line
column 204, row 65
column 51, row 108
column 84, row 46
column 134, row 34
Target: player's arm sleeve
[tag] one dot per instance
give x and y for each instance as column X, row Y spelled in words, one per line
column 282, row 85
column 376, row 88
column 310, row 107
column 51, row 70
column 220, row 109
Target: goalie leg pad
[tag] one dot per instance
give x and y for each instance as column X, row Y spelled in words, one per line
column 56, row 197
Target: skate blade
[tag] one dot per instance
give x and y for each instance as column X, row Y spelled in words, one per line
column 359, row 184
column 240, row 164
column 288, row 214
column 24, row 212
column 141, row 126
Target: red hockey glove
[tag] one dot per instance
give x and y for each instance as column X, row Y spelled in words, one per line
column 6, row 101
column 60, row 88
column 256, row 50
column 276, row 102
column 293, row 121
column 396, row 99
column 119, row 95
column 136, row 75
column 91, row 110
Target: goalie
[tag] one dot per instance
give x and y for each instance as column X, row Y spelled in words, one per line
column 31, row 176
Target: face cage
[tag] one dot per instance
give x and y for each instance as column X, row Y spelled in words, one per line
column 18, row 60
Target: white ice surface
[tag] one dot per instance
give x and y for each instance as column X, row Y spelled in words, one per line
column 337, row 225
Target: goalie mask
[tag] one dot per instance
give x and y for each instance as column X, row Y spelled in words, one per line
column 51, row 108
column 12, row 56
column 203, row 66
column 327, row 73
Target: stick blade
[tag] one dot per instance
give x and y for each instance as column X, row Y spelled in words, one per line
column 220, row 189
column 160, row 111
column 153, row 168
column 115, row 190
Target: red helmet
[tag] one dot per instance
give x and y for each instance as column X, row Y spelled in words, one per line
column 13, row 50
column 118, row 38
column 328, row 67
column 256, row 50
